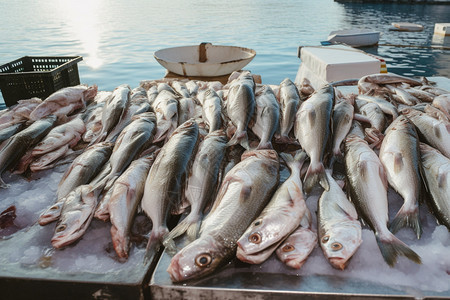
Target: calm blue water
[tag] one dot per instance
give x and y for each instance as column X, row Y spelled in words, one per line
column 117, row 39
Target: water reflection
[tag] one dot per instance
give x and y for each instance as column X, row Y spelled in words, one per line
column 83, row 24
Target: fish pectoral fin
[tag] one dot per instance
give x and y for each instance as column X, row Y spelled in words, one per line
column 442, row 179
column 437, row 131
column 245, row 193
column 398, row 162
column 311, row 117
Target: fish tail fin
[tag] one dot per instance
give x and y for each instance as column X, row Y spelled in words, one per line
column 239, row 137
column 316, row 174
column 154, row 243
column 392, row 247
column 336, row 157
column 407, row 218
column 3, row 185
column 188, row 226
column 266, row 145
column 296, row 161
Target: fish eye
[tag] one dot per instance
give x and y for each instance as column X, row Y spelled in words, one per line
column 203, row 260
column 288, row 248
column 325, row 239
column 54, row 207
column 257, row 223
column 255, row 238
column 61, row 227
column 336, row 246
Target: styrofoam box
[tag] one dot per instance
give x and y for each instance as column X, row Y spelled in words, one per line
column 335, row 63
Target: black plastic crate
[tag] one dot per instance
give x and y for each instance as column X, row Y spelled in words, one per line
column 37, row 76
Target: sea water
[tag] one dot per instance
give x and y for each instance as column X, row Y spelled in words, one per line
column 117, row 39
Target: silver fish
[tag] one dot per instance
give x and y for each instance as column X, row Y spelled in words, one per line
column 152, row 93
column 125, row 197
column 267, row 118
column 368, row 190
column 134, row 138
column 18, row 144
column 373, row 81
column 400, row 156
column 290, row 101
column 436, row 169
column 181, row 89
column 76, row 215
column 281, row 216
column 48, row 160
column 294, row 251
column 338, row 225
column 66, row 134
column 84, row 168
column 373, row 112
column 342, row 122
column 166, row 109
column 163, row 184
column 11, row 130
column 432, row 131
column 212, row 109
column 114, row 110
column 201, row 185
column 244, row 192
column 385, row 105
column 312, row 129
column 443, row 103
column 240, row 106
column 187, row 109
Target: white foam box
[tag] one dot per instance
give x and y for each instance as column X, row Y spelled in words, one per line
column 323, row 64
column 442, row 28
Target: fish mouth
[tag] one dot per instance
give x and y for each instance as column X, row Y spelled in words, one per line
column 174, row 271
column 294, row 263
column 338, row 262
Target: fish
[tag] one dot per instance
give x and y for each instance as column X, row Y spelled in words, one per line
column 19, row 143
column 84, row 168
column 201, row 186
column 65, row 134
column 192, row 87
column 442, row 102
column 422, row 95
column 92, row 117
column 187, row 109
column 386, row 106
column 18, row 113
column 76, row 215
column 294, row 250
column 164, row 86
column 64, row 101
column 430, row 130
column 281, row 216
column 436, row 175
column 368, row 190
column 126, row 194
column 48, row 160
column 211, row 109
column 373, row 112
column 166, row 109
column 289, row 98
column 53, row 212
column 400, row 156
column 240, row 106
column 181, row 89
column 342, row 122
column 373, row 81
column 113, row 111
column 11, row 130
column 152, row 93
column 134, row 138
column 338, row 226
column 164, row 181
column 244, row 192
column 312, row 128
column 401, row 96
column 267, row 117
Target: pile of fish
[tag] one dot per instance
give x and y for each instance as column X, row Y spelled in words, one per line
column 238, row 161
